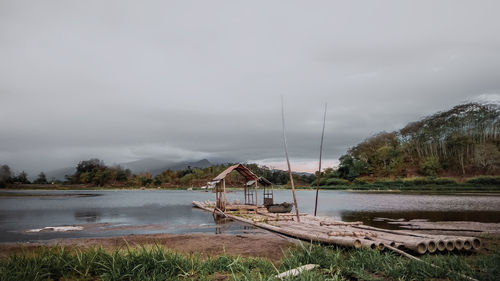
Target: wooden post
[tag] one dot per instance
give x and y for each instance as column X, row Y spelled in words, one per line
column 224, row 188
column 319, row 170
column 245, row 193
column 256, row 199
column 288, row 161
column 216, row 195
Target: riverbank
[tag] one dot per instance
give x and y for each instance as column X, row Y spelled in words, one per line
column 410, row 189
column 411, row 184
column 230, row 257
column 435, row 184
column 269, row 246
column 427, row 189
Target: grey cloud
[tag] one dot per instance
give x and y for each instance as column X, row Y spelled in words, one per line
column 124, row 80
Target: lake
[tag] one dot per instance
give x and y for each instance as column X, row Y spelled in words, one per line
column 120, row 212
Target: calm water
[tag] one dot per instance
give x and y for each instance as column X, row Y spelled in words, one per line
column 121, row 212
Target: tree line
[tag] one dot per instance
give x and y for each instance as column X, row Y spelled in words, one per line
column 9, row 177
column 94, row 172
column 461, row 142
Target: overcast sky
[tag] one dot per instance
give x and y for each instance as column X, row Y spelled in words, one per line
column 185, row 80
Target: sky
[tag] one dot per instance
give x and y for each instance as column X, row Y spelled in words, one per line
column 187, row 80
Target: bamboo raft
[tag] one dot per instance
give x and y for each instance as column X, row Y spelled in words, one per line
column 349, row 234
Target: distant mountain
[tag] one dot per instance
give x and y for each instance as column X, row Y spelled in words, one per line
column 157, row 166
column 60, row 173
column 303, row 173
column 295, row 173
column 204, row 163
column 146, row 165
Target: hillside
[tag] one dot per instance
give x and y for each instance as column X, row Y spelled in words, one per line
column 461, row 142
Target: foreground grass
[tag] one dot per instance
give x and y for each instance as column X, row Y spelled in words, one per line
column 157, row 263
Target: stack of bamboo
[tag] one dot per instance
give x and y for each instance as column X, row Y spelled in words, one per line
column 351, row 234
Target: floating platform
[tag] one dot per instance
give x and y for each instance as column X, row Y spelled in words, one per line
column 349, row 234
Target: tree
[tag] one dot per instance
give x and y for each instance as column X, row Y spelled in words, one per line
column 430, row 166
column 157, row 180
column 464, row 139
column 122, row 175
column 91, row 165
column 22, row 178
column 42, row 179
column 101, row 177
column 351, row 168
column 5, row 175
column 487, row 158
column 92, row 171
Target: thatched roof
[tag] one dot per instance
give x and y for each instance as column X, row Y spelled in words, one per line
column 244, row 171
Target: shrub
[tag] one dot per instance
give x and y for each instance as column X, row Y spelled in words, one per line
column 335, row 181
column 388, row 183
column 485, row 180
column 417, row 181
column 444, row 181
column 360, row 181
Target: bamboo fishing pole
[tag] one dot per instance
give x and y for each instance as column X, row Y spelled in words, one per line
column 319, row 169
column 287, row 160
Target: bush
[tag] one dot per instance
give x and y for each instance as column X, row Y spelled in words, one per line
column 322, row 181
column 485, row 180
column 335, row 181
column 360, row 181
column 445, row 181
column 388, row 183
column 417, row 181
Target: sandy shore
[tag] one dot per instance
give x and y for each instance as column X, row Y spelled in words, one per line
column 269, row 246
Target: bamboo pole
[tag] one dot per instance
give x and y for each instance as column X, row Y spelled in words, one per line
column 304, row 235
column 296, row 271
column 217, row 194
column 319, row 169
column 224, row 188
column 256, row 198
column 245, row 193
column 288, row 160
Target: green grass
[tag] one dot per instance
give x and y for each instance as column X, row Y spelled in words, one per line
column 156, row 263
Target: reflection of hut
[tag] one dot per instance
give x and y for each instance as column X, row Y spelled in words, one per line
column 250, row 188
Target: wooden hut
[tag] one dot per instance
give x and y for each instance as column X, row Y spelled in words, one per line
column 250, row 188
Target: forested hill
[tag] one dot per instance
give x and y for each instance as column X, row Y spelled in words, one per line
column 463, row 141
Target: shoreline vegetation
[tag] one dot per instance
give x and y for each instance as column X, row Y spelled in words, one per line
column 157, row 261
column 414, row 184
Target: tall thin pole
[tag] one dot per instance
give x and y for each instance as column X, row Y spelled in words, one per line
column 319, row 169
column 287, row 160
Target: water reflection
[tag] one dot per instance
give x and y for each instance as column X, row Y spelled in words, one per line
column 228, row 226
column 134, row 211
column 383, row 218
column 222, row 224
column 87, row 216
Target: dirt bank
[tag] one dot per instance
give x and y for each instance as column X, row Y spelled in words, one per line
column 269, row 246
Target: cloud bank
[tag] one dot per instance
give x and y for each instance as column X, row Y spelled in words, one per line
column 180, row 80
